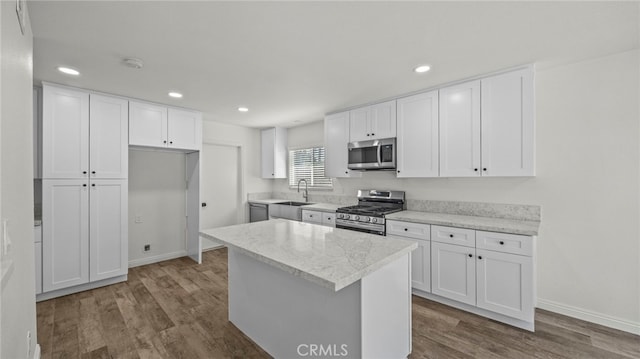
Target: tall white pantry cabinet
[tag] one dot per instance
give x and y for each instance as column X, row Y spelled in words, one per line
column 84, row 188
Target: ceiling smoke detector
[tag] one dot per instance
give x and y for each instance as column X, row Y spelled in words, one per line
column 132, row 62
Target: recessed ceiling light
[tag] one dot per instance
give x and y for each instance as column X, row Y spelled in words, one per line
column 243, row 109
column 175, row 94
column 68, row 71
column 422, row 69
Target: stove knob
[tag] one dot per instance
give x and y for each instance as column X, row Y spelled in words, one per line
column 366, row 219
column 346, row 216
column 338, row 215
column 357, row 218
column 374, row 220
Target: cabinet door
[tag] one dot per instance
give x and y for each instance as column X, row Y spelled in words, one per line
column 268, row 152
column 336, row 138
column 508, row 124
column 147, row 124
column 65, row 133
column 418, row 135
column 453, row 273
column 108, row 245
column 359, row 124
column 505, row 284
column 382, row 120
column 329, row 219
column 65, row 233
column 312, row 217
column 274, row 153
column 421, row 266
column 109, row 137
column 184, row 129
column 460, row 130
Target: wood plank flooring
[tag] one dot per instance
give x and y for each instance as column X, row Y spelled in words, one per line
column 177, row 309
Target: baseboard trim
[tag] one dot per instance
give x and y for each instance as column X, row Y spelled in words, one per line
column 589, row 316
column 156, row 259
column 36, row 352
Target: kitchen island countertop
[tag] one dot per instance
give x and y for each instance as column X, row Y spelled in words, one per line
column 331, row 257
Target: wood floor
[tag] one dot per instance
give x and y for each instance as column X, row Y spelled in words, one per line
column 177, row 309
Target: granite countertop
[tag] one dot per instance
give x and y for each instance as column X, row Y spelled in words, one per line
column 513, row 226
column 331, row 257
column 323, row 207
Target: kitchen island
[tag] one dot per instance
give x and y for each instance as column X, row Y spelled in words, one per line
column 305, row 290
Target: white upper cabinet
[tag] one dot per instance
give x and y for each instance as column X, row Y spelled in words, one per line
column 460, row 130
column 65, row 133
column 108, row 133
column 487, row 127
column 158, row 126
column 274, row 153
column 507, row 124
column 373, row 122
column 184, row 129
column 83, row 135
column 147, row 124
column 336, row 139
column 418, row 135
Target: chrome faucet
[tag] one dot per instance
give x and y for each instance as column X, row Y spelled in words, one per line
column 305, row 195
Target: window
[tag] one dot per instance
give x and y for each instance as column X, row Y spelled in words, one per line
column 308, row 163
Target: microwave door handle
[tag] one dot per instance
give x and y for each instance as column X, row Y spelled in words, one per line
column 379, row 154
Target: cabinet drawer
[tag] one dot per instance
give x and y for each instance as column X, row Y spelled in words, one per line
column 329, row 219
column 408, row 229
column 459, row 236
column 312, row 216
column 503, row 242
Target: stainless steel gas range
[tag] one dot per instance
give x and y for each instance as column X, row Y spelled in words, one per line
column 369, row 214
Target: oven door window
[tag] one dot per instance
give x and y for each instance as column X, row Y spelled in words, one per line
column 363, row 155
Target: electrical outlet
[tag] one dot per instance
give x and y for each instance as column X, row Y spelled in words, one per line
column 147, row 247
column 138, row 219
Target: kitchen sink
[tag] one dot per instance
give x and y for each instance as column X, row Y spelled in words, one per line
column 287, row 209
column 295, row 204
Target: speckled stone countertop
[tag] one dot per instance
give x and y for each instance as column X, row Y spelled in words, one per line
column 333, row 258
column 323, row 207
column 502, row 225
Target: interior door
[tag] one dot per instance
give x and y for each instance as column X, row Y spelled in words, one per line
column 220, row 188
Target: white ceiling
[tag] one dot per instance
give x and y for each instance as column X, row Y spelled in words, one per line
column 292, row 62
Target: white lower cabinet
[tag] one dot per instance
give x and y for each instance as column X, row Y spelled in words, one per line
column 421, row 266
column 318, row 217
column 487, row 273
column 84, row 231
column 505, row 284
column 454, row 272
column 421, row 256
column 108, row 229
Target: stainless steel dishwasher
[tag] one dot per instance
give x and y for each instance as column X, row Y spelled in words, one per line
column 258, row 212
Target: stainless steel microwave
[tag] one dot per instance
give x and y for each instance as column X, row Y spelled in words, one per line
column 372, row 155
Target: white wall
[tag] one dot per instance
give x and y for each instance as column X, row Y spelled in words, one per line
column 587, row 183
column 17, row 298
column 157, row 195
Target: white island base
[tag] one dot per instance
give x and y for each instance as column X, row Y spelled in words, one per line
column 292, row 317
